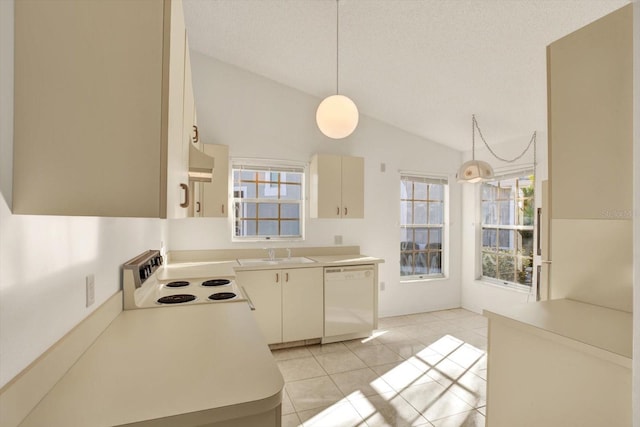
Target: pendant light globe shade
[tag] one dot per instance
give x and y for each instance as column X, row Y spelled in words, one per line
column 475, row 171
column 337, row 116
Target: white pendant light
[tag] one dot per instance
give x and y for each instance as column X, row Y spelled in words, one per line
column 337, row 115
column 474, row 170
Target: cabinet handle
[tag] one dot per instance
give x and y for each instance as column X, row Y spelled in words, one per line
column 223, row 208
column 185, row 187
column 277, row 277
column 346, row 211
column 246, row 294
column 338, row 211
column 196, row 136
column 286, row 277
column 198, row 207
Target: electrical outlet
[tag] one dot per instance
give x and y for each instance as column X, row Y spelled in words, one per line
column 90, row 289
column 382, row 286
column 337, row 240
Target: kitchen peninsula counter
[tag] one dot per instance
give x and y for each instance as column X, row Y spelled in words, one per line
column 559, row 363
column 189, row 366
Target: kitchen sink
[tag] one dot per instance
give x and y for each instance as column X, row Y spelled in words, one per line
column 275, row 261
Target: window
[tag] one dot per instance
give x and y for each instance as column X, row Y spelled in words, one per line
column 422, row 215
column 507, row 229
column 267, row 201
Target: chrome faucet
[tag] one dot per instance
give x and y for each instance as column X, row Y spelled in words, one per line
column 272, row 254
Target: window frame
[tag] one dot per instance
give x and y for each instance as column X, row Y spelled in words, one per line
column 525, row 172
column 443, row 226
column 269, row 166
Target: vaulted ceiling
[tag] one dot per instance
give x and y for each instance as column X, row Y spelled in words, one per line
column 422, row 65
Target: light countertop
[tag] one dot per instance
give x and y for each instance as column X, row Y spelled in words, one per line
column 604, row 329
column 197, row 364
column 197, row 270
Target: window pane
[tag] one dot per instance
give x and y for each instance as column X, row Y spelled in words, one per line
column 420, row 189
column 489, row 191
column 268, row 191
column 435, row 239
column 489, row 213
column 291, row 177
column 247, row 228
column 489, row 265
column 525, row 212
column 436, row 192
column 289, row 210
column 525, row 242
column 506, row 268
column 267, row 210
column 421, row 237
column 248, row 176
column 406, row 189
column 420, row 213
column 267, row 228
column 290, row 228
column 525, row 271
column 290, row 191
column 406, row 235
column 489, row 239
column 249, row 210
column 406, row 213
column 506, row 241
column 436, row 213
column 506, row 212
column 434, row 262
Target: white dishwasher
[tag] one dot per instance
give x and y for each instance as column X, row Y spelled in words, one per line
column 348, row 300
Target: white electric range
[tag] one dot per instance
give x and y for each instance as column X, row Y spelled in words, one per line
column 147, row 282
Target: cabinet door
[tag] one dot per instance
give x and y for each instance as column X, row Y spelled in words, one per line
column 326, row 182
column 264, row 290
column 352, row 187
column 88, row 108
column 302, row 304
column 177, row 145
column 215, row 194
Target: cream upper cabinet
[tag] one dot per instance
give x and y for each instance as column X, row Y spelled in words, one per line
column 337, row 186
column 99, row 108
column 590, row 97
column 215, row 194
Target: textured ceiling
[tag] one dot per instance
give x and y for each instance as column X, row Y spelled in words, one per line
column 422, row 65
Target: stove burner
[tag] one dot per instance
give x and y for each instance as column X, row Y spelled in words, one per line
column 216, row 282
column 176, row 299
column 222, row 296
column 177, row 284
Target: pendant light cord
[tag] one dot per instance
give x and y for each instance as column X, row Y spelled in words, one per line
column 337, row 44
column 532, row 141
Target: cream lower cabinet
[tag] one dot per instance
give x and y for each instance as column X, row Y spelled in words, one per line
column 288, row 303
column 337, row 186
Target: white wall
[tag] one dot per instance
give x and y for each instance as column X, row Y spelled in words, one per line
column 257, row 117
column 476, row 294
column 43, row 259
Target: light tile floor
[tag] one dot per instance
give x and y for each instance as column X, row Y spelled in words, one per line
column 426, row 369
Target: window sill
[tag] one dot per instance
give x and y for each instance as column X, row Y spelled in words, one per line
column 418, row 279
column 507, row 287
